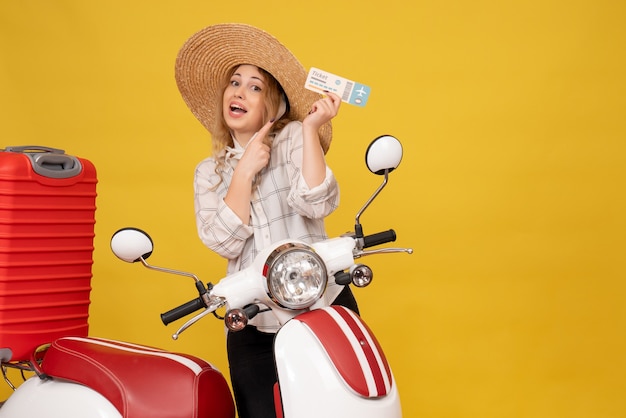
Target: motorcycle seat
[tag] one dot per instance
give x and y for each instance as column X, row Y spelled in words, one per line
column 141, row 381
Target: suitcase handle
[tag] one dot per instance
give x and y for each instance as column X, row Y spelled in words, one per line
column 50, row 162
column 25, row 148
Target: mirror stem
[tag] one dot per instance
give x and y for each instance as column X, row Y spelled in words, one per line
column 164, row 270
column 202, row 291
column 358, row 229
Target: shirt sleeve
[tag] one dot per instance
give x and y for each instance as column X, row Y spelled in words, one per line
column 219, row 228
column 319, row 201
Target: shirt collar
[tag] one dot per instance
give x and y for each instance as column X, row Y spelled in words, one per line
column 235, row 152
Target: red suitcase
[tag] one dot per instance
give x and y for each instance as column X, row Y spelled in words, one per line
column 47, row 219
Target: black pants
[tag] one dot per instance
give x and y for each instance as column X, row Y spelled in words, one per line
column 252, row 370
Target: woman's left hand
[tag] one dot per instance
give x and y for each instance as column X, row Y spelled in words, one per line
column 322, row 111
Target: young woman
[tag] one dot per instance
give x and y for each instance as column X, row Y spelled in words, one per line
column 267, row 178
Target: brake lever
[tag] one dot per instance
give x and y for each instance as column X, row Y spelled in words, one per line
column 363, row 253
column 215, row 305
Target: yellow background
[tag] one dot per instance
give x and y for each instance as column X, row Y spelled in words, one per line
column 511, row 190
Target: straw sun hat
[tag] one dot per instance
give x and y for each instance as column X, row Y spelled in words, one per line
column 207, row 56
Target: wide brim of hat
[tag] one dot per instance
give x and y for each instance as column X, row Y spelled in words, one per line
column 209, row 54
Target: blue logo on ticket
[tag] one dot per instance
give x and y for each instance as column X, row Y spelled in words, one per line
column 350, row 92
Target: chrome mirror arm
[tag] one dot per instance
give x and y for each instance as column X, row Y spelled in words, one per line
column 170, row 271
column 358, row 229
column 202, row 291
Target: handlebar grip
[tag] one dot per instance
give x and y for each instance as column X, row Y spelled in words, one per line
column 182, row 310
column 252, row 310
column 379, row 238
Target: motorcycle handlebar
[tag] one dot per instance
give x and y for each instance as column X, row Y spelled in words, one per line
column 182, row 310
column 197, row 303
column 379, row 238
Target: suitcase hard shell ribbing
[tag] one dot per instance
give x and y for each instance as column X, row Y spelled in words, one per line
column 47, row 220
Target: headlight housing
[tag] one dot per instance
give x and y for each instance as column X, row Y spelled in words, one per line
column 296, row 276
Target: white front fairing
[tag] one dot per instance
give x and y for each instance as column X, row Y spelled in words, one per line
column 336, row 253
column 311, row 387
column 38, row 398
column 250, row 286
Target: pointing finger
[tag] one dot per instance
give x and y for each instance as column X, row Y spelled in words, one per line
column 265, row 129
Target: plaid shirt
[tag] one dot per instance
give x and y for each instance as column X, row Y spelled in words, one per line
column 282, row 206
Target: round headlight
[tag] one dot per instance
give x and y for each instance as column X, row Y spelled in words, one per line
column 296, row 276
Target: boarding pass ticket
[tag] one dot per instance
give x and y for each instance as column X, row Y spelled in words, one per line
column 321, row 81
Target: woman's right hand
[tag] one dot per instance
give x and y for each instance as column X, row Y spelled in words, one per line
column 254, row 159
column 257, row 153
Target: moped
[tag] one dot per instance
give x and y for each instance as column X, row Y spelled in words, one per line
column 328, row 361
